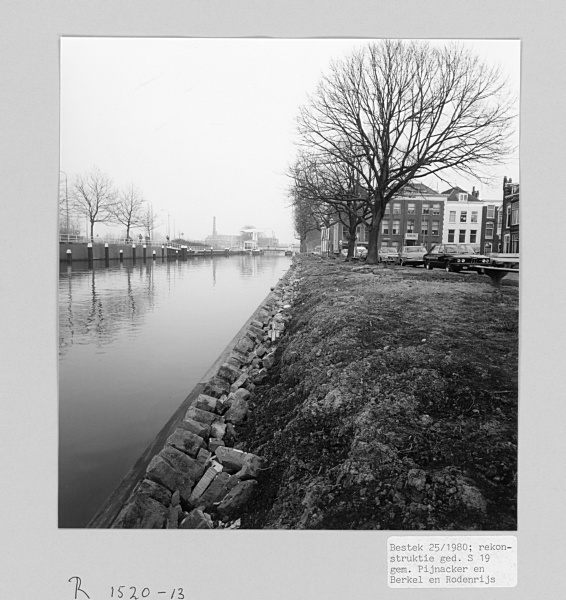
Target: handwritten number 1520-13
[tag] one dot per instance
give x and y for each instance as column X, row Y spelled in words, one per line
column 122, row 592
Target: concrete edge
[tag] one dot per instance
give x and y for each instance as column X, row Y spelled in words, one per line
column 109, row 510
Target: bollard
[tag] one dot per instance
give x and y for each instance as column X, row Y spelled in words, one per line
column 89, row 252
column 106, row 252
column 121, row 256
column 134, row 252
column 162, row 252
column 154, row 255
column 69, row 255
column 144, row 251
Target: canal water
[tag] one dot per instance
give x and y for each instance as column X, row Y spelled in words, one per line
column 134, row 339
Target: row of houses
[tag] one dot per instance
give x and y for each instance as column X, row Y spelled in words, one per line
column 422, row 217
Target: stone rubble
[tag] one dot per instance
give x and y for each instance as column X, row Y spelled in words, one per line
column 199, row 480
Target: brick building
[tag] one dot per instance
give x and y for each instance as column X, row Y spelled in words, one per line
column 510, row 217
column 413, row 218
column 490, row 240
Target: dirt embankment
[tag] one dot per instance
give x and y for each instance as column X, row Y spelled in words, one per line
column 392, row 404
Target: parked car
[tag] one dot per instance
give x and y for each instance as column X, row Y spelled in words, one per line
column 412, row 255
column 359, row 252
column 387, row 254
column 454, row 258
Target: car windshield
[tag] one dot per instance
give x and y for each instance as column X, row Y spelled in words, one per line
column 414, row 249
column 465, row 248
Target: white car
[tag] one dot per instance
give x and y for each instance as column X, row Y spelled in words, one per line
column 412, row 255
column 388, row 254
column 359, row 252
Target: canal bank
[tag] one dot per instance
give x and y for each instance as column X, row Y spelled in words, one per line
column 392, row 404
column 194, row 462
column 389, row 403
column 80, row 251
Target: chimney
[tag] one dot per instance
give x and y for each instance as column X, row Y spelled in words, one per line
column 214, row 226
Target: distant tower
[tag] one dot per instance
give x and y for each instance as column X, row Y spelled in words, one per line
column 214, row 226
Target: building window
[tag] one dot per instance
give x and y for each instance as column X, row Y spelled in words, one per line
column 462, row 197
column 474, row 216
column 395, row 244
column 508, row 219
column 395, row 228
column 464, row 216
column 411, row 208
column 424, row 228
column 489, row 231
column 514, row 242
column 506, row 243
column 491, row 211
column 410, row 226
column 436, row 209
column 386, row 212
column 515, row 215
column 452, row 216
column 384, row 244
column 451, row 235
column 499, row 220
column 473, row 236
column 434, row 228
column 462, row 236
column 487, row 248
column 397, row 208
column 426, row 209
column 385, row 227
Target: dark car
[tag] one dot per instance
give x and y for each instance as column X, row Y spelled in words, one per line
column 454, row 258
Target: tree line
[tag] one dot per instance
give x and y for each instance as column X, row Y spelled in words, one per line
column 389, row 114
column 93, row 196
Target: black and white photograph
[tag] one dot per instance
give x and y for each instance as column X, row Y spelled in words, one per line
column 329, row 230
column 281, row 304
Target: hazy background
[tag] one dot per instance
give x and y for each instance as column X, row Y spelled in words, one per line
column 206, row 127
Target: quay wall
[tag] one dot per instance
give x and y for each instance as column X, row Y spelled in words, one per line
column 71, row 251
column 193, row 471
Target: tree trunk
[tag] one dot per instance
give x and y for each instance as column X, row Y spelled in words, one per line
column 373, row 245
column 92, row 231
column 351, row 246
column 303, row 247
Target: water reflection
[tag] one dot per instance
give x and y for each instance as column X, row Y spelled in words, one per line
column 134, row 339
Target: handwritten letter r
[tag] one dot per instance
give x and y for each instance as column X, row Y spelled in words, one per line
column 78, row 587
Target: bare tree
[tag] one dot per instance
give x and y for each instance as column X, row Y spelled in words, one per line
column 149, row 221
column 93, row 197
column 128, row 209
column 410, row 110
column 305, row 219
column 332, row 187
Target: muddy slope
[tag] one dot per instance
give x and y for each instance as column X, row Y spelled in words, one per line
column 392, row 404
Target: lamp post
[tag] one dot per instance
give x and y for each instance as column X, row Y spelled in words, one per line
column 66, row 203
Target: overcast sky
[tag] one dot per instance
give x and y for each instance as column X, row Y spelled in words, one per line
column 206, row 127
